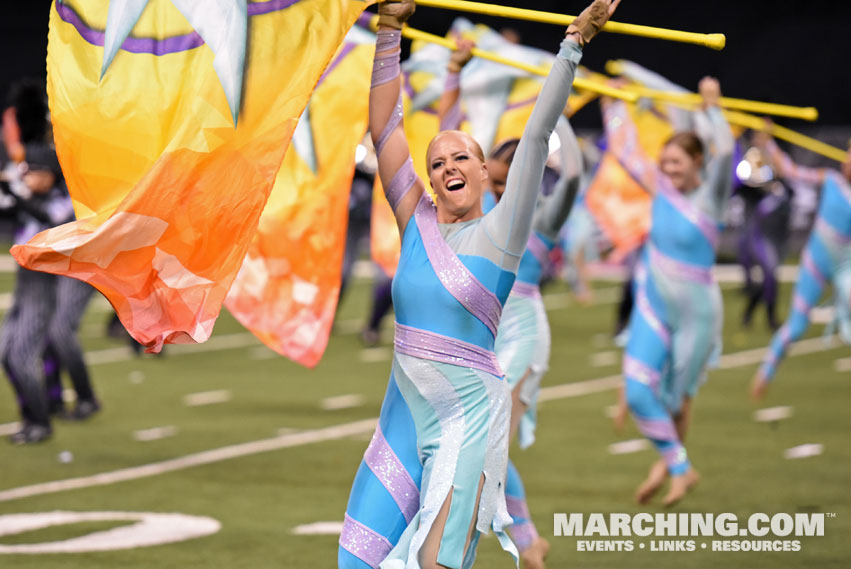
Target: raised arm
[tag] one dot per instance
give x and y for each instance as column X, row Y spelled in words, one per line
column 719, row 168
column 554, row 209
column 449, row 108
column 395, row 167
column 622, row 142
column 784, row 165
column 509, row 224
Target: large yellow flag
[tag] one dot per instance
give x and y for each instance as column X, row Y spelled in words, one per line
column 286, row 292
column 171, row 118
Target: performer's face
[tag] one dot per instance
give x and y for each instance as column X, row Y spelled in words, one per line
column 680, row 167
column 846, row 166
column 458, row 174
column 497, row 176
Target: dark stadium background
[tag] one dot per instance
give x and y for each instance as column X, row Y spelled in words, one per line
column 793, row 52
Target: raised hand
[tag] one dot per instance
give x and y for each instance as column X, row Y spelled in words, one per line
column 394, row 13
column 462, row 55
column 710, row 89
column 592, row 19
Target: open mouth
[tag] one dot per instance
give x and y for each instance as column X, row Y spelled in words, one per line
column 455, row 184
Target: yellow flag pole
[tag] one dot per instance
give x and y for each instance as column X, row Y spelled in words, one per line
column 579, row 83
column 714, row 41
column 805, row 113
column 787, row 134
column 758, row 123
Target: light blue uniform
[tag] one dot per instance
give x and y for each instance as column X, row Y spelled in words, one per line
column 460, row 414
column 826, row 259
column 675, row 327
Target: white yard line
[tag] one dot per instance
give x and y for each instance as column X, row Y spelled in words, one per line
column 342, row 402
column 739, row 359
column 207, row 398
column 191, row 460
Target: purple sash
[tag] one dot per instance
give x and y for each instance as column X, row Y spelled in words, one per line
column 458, row 280
column 539, row 249
column 525, row 290
column 679, row 269
column 435, row 347
column 703, row 222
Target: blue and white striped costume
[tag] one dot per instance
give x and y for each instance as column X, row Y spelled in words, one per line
column 826, row 259
column 675, row 327
column 446, row 386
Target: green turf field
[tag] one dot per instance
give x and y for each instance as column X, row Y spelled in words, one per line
column 260, row 497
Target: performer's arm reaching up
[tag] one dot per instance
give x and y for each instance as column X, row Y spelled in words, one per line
column 395, row 167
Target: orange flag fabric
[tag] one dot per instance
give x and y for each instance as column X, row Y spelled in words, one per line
column 171, row 119
column 286, row 292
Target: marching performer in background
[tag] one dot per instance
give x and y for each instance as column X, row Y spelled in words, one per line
column 675, row 327
column 826, row 258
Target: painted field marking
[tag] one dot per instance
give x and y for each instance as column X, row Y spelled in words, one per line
column 154, row 434
column 9, row 428
column 207, row 398
column 336, row 432
column 628, row 447
column 803, row 451
column 604, row 359
column 318, row 528
column 342, row 402
column 191, row 460
column 771, row 414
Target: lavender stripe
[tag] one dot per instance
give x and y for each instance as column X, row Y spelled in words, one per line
column 452, row 119
column 657, row 429
column 392, row 123
column 387, row 39
column 800, row 304
column 675, row 456
column 435, row 347
column 153, row 46
column 525, row 290
column 703, row 222
column 458, row 280
column 385, row 68
column 809, row 264
column 652, row 320
column 387, row 467
column 679, row 269
column 639, row 371
column 453, row 81
column 368, row 546
column 539, row 249
column 831, row 233
column 524, row 535
column 517, row 508
column 365, row 20
column 347, row 49
column 401, row 183
column 258, row 8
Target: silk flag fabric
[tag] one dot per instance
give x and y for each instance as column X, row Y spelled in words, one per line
column 287, row 290
column 171, row 118
column 618, row 203
column 503, row 98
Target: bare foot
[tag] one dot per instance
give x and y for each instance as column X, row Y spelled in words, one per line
column 759, row 386
column 533, row 557
column 680, row 485
column 655, row 478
